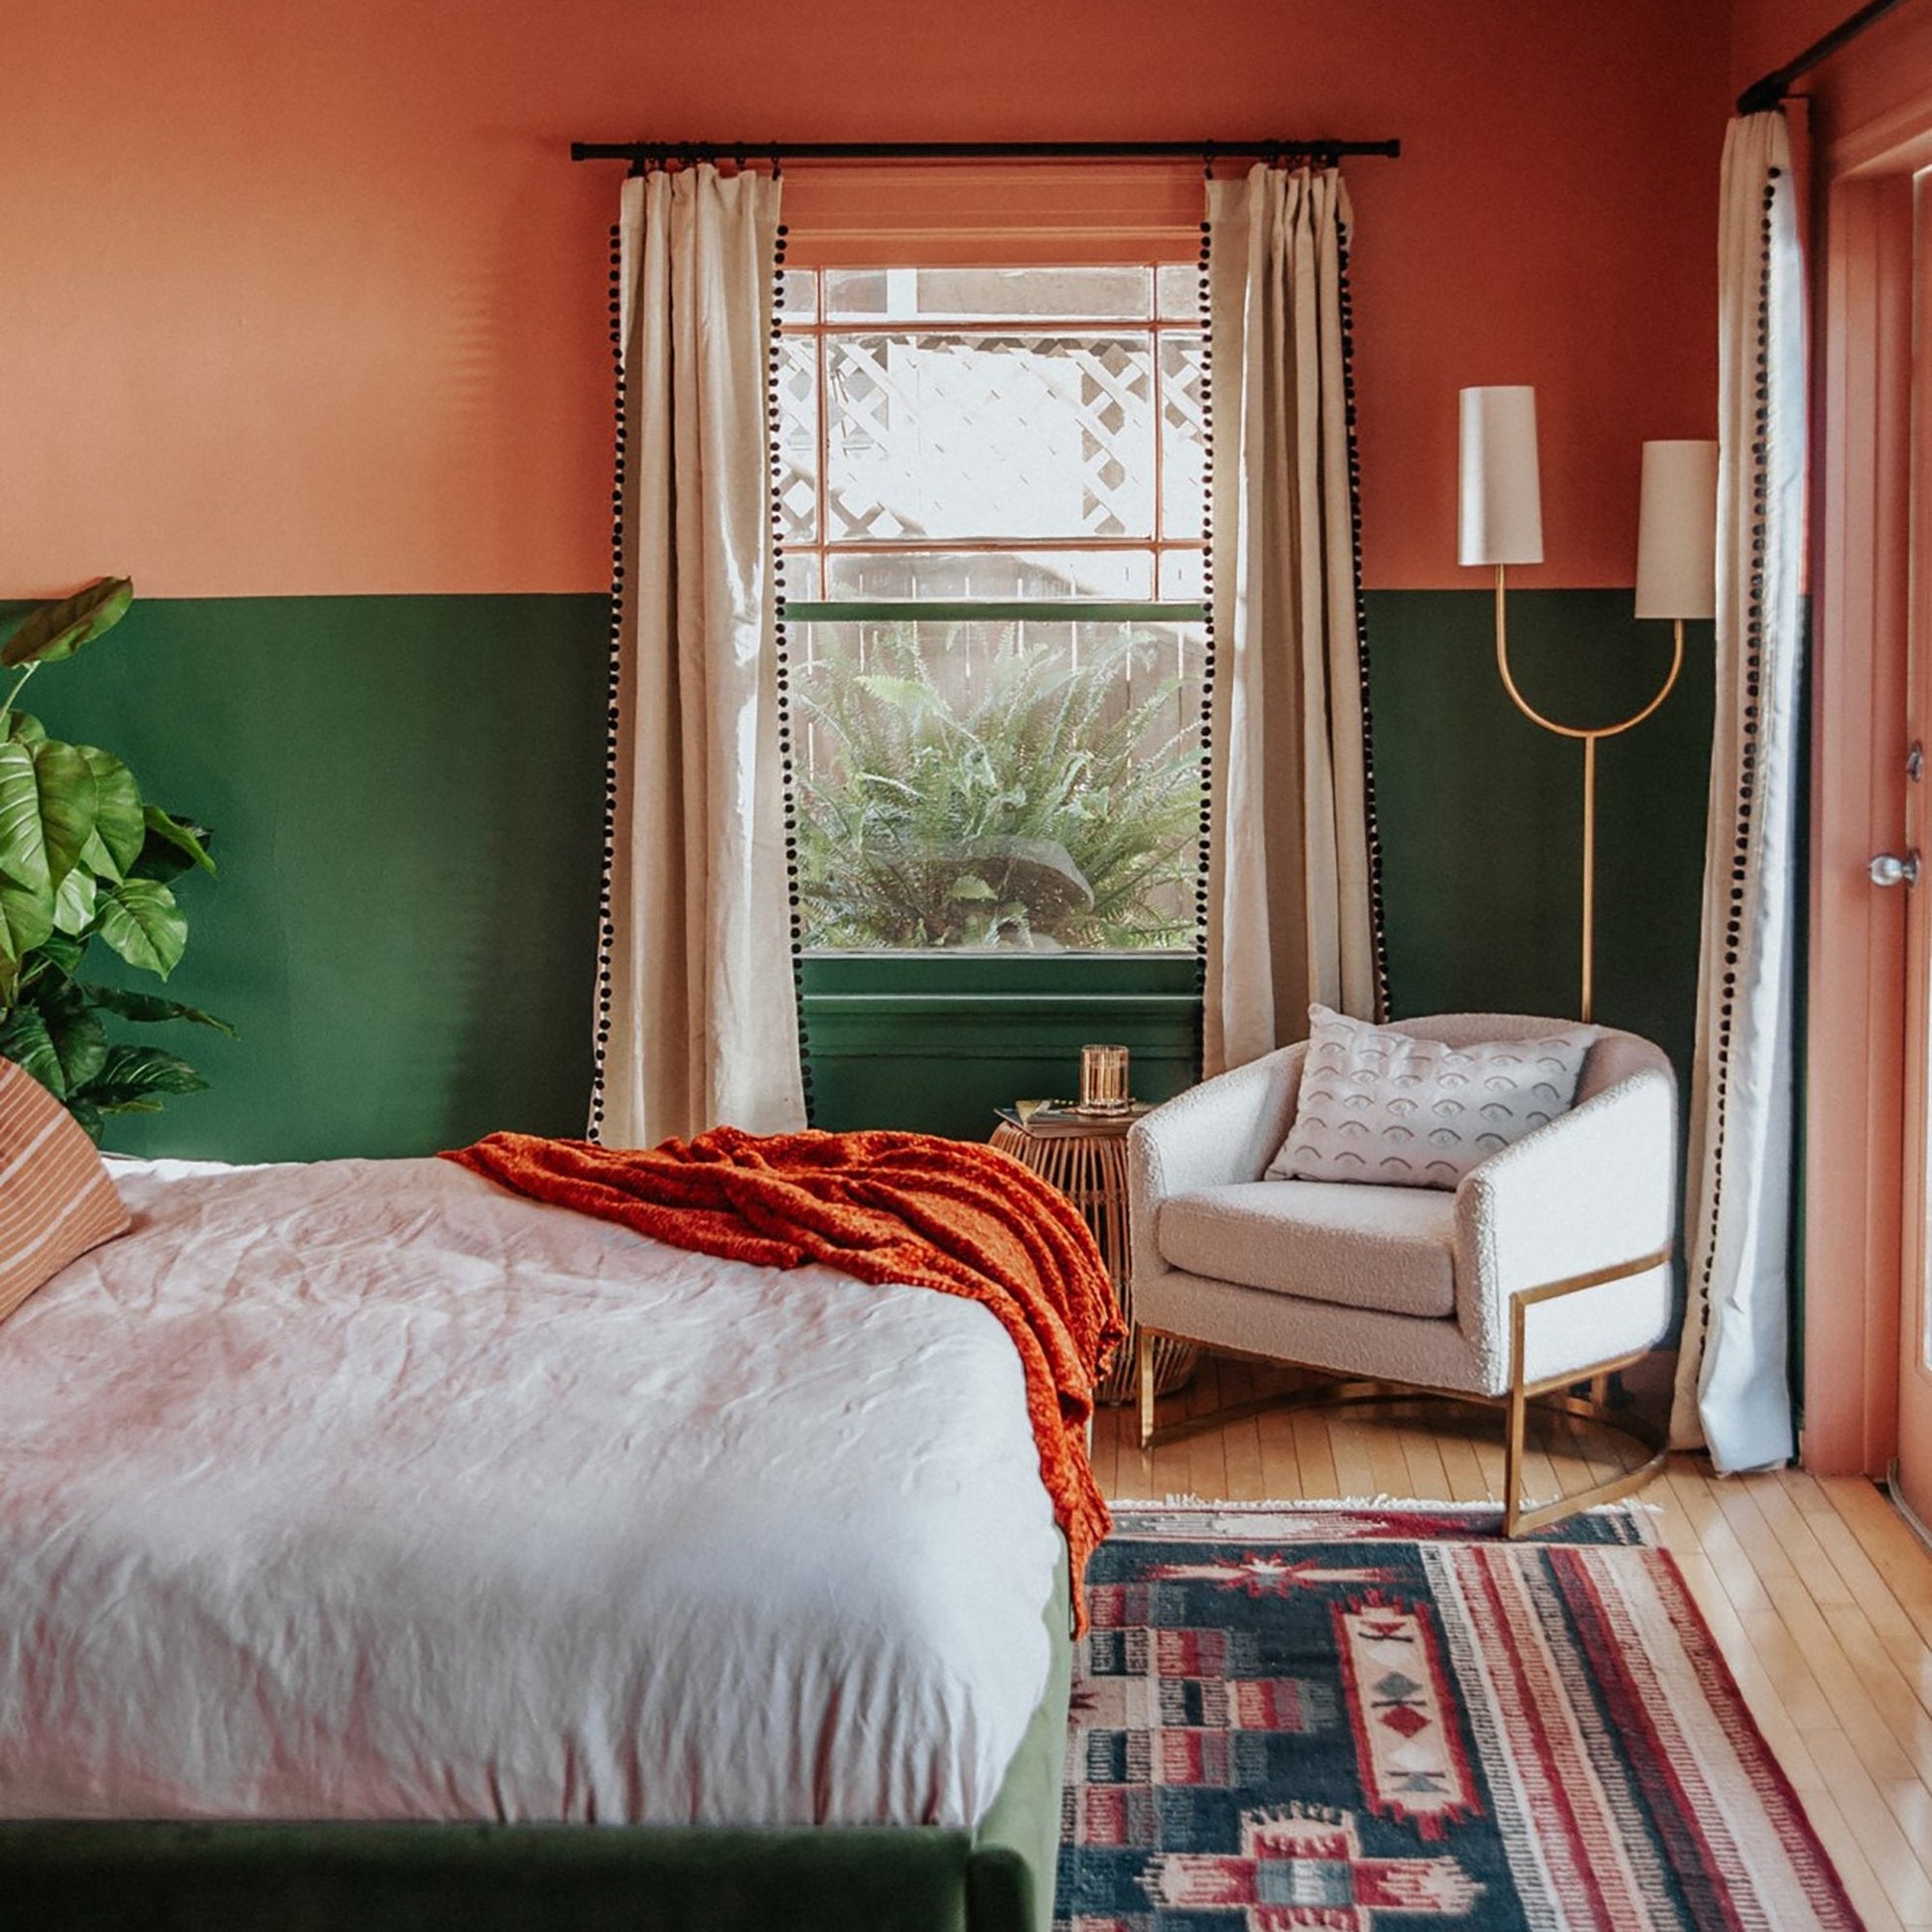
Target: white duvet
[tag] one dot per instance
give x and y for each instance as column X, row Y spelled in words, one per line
column 368, row 1490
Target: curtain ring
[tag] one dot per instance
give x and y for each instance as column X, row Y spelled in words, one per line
column 1207, row 159
column 777, row 165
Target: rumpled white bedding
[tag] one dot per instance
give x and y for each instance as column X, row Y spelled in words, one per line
column 368, row 1490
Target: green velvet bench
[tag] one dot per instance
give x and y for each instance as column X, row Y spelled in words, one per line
column 166, row 1876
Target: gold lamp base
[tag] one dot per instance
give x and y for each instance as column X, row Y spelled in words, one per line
column 1589, row 737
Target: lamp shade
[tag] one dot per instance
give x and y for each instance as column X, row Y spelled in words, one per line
column 1677, row 531
column 1501, row 519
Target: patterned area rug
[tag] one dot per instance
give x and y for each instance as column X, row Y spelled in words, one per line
column 1381, row 1720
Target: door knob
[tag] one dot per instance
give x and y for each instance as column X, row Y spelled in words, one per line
column 1887, row 869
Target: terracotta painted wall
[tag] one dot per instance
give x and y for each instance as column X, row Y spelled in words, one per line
column 302, row 324
column 307, row 300
column 1766, row 34
column 1886, row 66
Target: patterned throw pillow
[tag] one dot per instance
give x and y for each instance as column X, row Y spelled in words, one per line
column 56, row 1199
column 1378, row 1104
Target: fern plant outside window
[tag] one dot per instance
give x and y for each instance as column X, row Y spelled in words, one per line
column 991, row 501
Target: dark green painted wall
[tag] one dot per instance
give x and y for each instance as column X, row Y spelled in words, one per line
column 1481, row 811
column 405, row 791
column 939, row 1043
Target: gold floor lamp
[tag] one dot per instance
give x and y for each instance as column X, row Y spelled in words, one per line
column 1501, row 523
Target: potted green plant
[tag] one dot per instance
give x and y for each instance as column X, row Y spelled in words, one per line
column 1043, row 810
column 83, row 856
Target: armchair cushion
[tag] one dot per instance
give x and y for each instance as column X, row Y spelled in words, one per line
column 1401, row 1110
column 1385, row 1248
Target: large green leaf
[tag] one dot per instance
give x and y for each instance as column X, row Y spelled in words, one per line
column 25, row 1040
column 29, row 730
column 46, row 811
column 130, row 1074
column 149, row 1008
column 73, row 904
column 119, row 817
column 100, row 1100
column 80, row 1041
column 59, row 954
column 68, row 797
column 98, row 860
column 23, row 845
column 26, row 919
column 173, row 845
column 59, row 629
column 141, row 921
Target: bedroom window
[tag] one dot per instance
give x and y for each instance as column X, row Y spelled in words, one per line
column 991, row 497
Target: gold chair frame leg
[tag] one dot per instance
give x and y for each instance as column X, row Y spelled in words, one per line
column 1551, row 1394
column 1520, row 1519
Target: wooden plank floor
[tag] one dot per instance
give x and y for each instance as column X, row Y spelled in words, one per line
column 1819, row 1594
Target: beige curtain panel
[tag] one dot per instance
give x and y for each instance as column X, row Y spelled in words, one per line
column 1733, row 1393
column 1291, row 915
column 698, row 1016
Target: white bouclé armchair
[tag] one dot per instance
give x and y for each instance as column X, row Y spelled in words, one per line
column 1547, row 1265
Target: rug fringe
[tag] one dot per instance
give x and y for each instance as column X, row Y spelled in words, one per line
column 1643, row 1514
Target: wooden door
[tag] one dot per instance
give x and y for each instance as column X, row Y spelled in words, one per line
column 1914, row 1468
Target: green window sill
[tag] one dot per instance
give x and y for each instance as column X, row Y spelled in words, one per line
column 936, row 1042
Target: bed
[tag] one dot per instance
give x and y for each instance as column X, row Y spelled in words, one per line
column 378, row 1548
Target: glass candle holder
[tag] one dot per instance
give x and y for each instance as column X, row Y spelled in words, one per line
column 1103, row 1081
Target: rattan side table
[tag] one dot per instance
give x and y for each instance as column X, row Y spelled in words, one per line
column 1087, row 1161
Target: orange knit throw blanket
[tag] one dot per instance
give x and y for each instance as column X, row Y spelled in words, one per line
column 952, row 1215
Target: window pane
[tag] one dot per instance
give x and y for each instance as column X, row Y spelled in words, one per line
column 799, row 578
column 990, row 436
column 1179, row 293
column 1013, row 786
column 797, row 295
column 1184, row 573
column 1116, row 573
column 1184, row 365
column 797, row 480
column 987, row 294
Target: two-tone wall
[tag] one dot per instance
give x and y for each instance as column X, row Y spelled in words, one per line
column 303, row 327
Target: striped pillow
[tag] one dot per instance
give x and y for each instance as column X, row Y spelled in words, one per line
column 56, row 1199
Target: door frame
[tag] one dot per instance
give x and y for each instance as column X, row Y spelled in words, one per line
column 1856, row 1089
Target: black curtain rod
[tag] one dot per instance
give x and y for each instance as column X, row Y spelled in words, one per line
column 1762, row 95
column 641, row 153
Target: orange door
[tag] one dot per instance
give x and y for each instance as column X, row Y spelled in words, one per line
column 1914, row 1475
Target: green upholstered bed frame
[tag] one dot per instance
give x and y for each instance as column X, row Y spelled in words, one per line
column 138, row 1876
